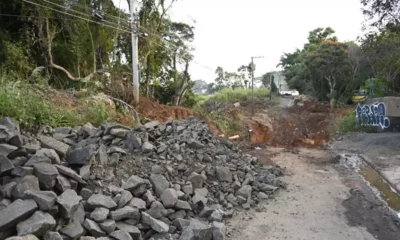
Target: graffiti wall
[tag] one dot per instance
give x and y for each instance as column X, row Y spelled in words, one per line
column 372, row 115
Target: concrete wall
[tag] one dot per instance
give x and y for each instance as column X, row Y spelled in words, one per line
column 392, row 105
column 383, row 113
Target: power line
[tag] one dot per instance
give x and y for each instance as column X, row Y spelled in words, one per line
column 89, row 20
column 113, row 27
column 78, row 12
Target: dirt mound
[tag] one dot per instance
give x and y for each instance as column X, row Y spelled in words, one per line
column 308, row 123
column 155, row 111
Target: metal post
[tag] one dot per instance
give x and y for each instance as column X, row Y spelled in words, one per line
column 135, row 64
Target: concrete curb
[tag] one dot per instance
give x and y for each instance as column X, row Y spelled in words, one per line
column 376, row 169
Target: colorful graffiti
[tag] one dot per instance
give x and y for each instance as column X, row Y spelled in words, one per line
column 372, row 115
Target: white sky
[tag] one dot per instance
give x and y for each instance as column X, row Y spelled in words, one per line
column 229, row 32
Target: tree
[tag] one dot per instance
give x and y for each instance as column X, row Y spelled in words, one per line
column 382, row 50
column 382, row 12
column 330, row 65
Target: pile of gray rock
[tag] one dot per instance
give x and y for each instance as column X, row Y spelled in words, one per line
column 174, row 180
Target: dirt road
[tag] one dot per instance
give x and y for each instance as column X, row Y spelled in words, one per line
column 323, row 201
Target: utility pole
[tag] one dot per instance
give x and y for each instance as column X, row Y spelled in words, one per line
column 135, row 62
column 252, row 67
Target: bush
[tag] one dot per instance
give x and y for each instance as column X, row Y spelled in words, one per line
column 348, row 123
column 32, row 107
column 20, row 102
column 229, row 95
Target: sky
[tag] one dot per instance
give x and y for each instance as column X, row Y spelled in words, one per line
column 229, row 32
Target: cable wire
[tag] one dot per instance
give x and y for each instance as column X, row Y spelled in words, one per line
column 89, row 20
column 79, row 12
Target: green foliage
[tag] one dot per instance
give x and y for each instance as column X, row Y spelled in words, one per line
column 326, row 68
column 376, row 87
column 18, row 101
column 348, row 123
column 33, row 107
column 228, row 95
column 192, row 100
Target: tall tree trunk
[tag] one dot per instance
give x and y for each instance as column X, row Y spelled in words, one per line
column 148, row 75
column 181, row 90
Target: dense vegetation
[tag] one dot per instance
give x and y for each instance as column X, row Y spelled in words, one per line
column 331, row 70
column 86, row 44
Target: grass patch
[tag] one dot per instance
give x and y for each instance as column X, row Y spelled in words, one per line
column 349, row 123
column 32, row 106
column 229, row 95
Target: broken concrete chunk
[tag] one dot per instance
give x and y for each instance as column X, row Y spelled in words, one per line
column 38, row 224
column 197, row 180
column 16, row 212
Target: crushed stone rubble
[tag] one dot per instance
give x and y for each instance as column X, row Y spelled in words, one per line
column 172, row 180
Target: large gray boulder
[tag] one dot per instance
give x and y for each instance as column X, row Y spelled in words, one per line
column 197, row 230
column 38, row 224
column 6, row 165
column 74, row 230
column 121, row 235
column 169, row 198
column 100, row 214
column 99, row 200
column 159, row 182
column 69, row 202
column 93, row 228
column 16, row 212
column 126, row 196
column 81, row 156
column 49, row 142
column 223, row 174
column 46, row 173
column 69, row 173
column 27, row 183
column 44, row 199
column 125, row 213
column 108, row 226
column 218, row 230
column 155, row 224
